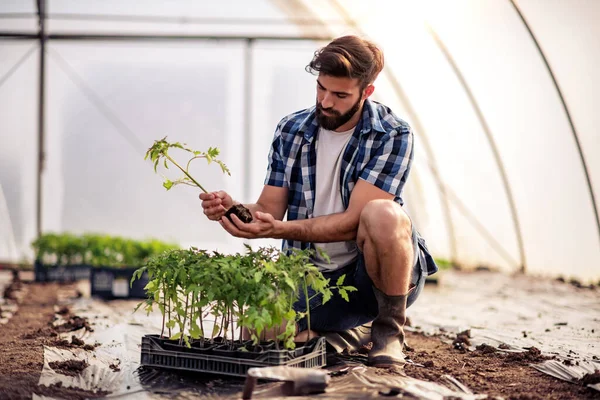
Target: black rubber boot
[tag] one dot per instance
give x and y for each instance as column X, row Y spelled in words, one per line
column 387, row 331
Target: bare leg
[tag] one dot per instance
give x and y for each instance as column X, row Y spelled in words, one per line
column 385, row 238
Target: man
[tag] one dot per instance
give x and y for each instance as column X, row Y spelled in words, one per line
column 338, row 169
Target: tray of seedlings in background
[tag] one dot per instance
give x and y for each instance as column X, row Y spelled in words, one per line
column 102, row 259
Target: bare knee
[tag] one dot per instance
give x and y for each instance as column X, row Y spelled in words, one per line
column 382, row 220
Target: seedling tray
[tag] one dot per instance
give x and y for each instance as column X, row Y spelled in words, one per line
column 113, row 283
column 61, row 273
column 312, row 354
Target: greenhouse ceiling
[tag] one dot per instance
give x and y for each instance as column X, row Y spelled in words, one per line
column 502, row 96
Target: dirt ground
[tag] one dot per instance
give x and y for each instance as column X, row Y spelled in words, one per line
column 484, row 371
column 22, row 340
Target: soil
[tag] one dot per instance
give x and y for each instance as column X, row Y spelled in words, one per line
column 115, row 367
column 22, row 340
column 489, row 371
column 59, row 392
column 591, row 379
column 241, row 212
column 21, row 360
column 485, row 370
column 69, row 367
column 74, row 323
column 12, row 290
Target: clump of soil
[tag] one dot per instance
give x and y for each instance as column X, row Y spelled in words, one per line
column 532, row 355
column 462, row 341
column 241, row 212
column 75, row 342
column 10, row 292
column 591, row 379
column 115, row 367
column 64, row 310
column 69, row 367
column 43, row 332
column 74, row 323
column 57, row 390
column 486, row 348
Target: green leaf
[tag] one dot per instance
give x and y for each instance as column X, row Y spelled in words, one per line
column 171, row 324
column 290, row 282
column 175, row 336
column 344, row 294
column 326, row 296
column 215, row 330
column 168, row 184
column 340, row 280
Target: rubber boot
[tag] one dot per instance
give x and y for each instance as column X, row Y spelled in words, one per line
column 387, row 331
column 351, row 340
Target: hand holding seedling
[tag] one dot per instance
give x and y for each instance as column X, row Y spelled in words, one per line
column 215, row 204
column 264, row 225
column 221, row 202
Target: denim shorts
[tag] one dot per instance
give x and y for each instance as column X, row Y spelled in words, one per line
column 338, row 314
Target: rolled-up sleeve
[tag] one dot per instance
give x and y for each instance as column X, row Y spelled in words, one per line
column 389, row 164
column 276, row 166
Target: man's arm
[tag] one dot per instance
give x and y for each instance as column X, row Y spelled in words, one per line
column 336, row 227
column 272, row 200
column 328, row 228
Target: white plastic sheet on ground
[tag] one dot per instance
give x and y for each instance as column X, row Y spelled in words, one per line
column 521, row 311
column 119, row 331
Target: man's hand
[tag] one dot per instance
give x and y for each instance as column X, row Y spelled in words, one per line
column 215, row 204
column 264, row 225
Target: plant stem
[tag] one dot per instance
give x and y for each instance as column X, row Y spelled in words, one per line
column 201, row 321
column 241, row 312
column 185, row 172
column 221, row 327
column 169, row 314
column 192, row 315
column 307, row 306
column 232, row 326
column 162, row 332
column 187, row 298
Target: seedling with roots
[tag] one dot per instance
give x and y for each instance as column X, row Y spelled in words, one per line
column 160, row 152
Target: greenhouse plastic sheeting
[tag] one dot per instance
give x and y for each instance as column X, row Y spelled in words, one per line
column 501, row 96
column 520, row 312
column 119, row 334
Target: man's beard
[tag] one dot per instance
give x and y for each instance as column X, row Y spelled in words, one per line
column 336, row 119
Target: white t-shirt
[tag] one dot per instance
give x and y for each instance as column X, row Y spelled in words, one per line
column 328, row 197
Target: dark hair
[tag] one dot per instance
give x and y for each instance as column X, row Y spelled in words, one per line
column 348, row 57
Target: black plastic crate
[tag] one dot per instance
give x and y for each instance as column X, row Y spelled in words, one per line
column 61, row 273
column 311, row 355
column 114, row 283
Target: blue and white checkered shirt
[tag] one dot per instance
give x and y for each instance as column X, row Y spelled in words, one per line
column 380, row 152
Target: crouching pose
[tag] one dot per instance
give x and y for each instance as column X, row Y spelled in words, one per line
column 338, row 169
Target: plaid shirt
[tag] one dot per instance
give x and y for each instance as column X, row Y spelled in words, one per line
column 380, row 152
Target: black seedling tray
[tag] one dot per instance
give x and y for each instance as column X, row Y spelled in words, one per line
column 113, row 283
column 164, row 353
column 60, row 273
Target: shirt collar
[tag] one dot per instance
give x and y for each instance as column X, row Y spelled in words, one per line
column 370, row 120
